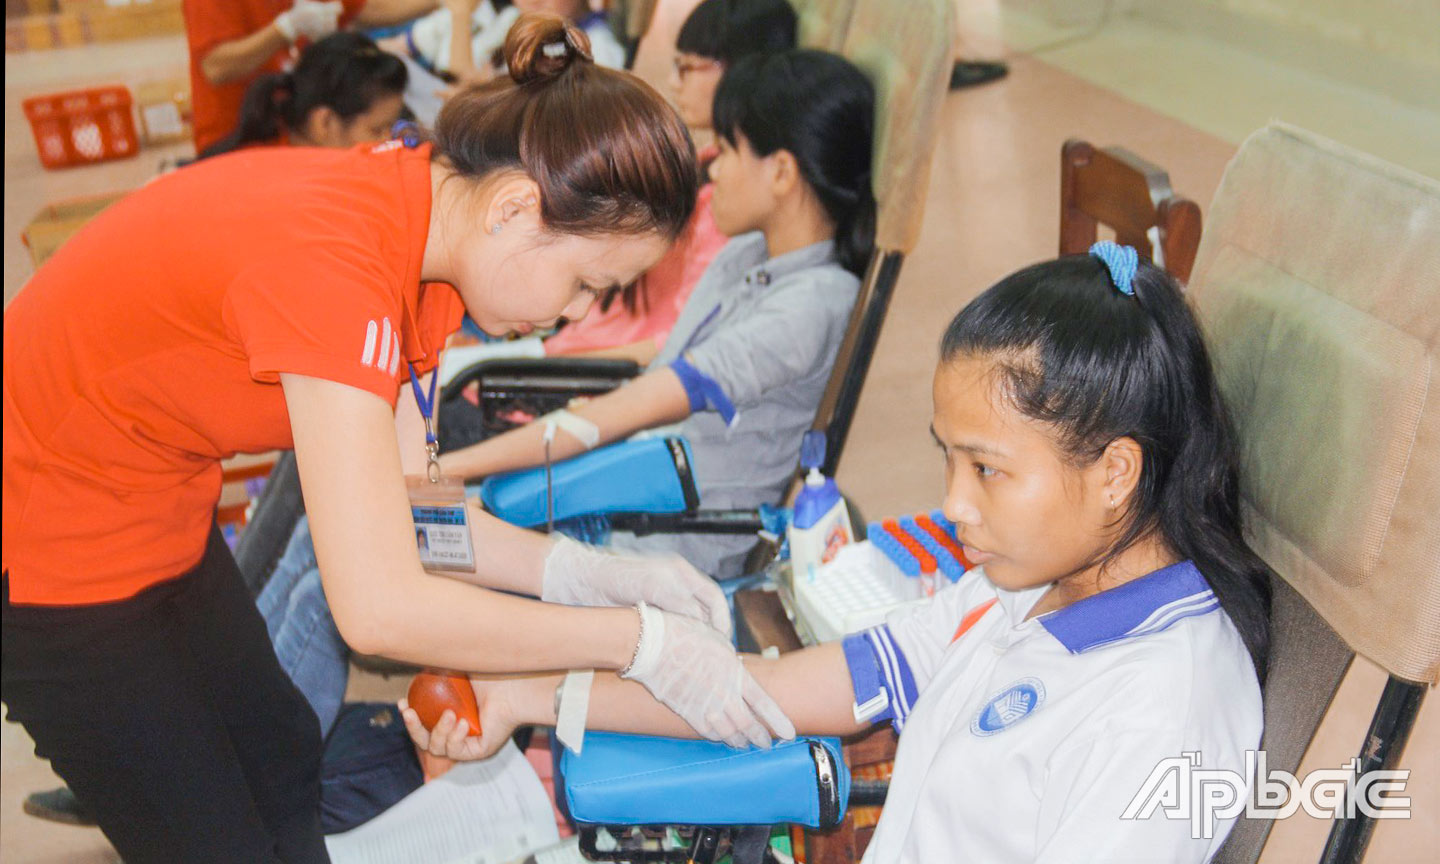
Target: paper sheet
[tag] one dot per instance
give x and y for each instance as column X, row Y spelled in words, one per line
column 477, row 813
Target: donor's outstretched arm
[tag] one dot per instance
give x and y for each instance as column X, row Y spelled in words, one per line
column 812, row 687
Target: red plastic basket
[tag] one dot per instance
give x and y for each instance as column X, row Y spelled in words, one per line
column 82, row 126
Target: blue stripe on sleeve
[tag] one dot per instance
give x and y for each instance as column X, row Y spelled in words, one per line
column 896, row 669
column 879, row 670
column 704, row 391
column 865, row 679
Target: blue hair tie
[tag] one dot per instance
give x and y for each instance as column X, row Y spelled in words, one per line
column 1121, row 261
column 406, row 132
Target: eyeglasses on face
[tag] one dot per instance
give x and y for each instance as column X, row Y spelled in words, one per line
column 685, row 65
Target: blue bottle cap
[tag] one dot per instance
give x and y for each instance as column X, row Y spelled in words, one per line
column 812, row 449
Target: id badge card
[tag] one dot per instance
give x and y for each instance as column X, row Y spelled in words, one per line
column 442, row 529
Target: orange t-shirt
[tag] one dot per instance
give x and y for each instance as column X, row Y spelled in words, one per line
column 150, row 346
column 208, row 23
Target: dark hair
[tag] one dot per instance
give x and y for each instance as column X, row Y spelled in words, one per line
column 730, row 30
column 821, row 109
column 1095, row 365
column 607, row 151
column 345, row 72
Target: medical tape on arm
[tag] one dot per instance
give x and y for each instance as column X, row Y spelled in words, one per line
column 582, row 430
column 572, row 705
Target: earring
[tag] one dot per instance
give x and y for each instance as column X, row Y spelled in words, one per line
column 495, row 229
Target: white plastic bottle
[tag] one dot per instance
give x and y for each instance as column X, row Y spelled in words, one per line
column 822, row 523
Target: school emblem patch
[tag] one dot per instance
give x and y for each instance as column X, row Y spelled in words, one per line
column 1008, row 707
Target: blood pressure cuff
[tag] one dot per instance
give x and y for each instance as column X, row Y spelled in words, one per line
column 705, row 392
column 880, row 677
column 646, row 476
column 642, row 780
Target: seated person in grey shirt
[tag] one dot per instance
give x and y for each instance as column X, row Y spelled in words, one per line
column 747, row 362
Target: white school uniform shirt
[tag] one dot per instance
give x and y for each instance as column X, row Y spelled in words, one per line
column 429, row 37
column 1026, row 740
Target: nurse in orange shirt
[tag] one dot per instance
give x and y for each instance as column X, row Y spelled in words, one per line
column 233, row 42
column 300, row 297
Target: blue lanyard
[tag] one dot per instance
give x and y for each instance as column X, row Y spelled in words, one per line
column 427, row 406
column 427, row 411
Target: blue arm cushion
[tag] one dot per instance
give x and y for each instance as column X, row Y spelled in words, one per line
column 641, row 780
column 645, row 476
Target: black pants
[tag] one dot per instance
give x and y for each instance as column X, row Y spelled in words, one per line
column 169, row 717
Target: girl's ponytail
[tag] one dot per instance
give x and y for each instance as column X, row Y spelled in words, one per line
column 261, row 114
column 855, row 229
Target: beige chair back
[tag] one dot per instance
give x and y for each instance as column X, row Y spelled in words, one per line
column 823, row 23
column 1318, row 282
column 632, row 16
column 906, row 49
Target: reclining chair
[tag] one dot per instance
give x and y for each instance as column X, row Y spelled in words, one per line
column 1318, row 284
column 893, row 45
column 729, row 799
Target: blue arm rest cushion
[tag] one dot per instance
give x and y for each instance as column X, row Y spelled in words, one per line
column 641, row 780
column 629, row 477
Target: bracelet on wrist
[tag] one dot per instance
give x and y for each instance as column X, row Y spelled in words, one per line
column 639, row 640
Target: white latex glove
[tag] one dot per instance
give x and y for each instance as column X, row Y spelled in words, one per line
column 310, row 19
column 581, row 575
column 696, row 673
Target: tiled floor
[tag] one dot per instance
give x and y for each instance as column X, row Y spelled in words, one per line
column 993, row 206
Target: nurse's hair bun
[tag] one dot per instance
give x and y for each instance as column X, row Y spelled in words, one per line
column 540, row 47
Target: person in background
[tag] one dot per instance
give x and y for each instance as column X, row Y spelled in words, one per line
column 344, row 91
column 460, row 42
column 715, row 36
column 428, row 40
column 233, row 42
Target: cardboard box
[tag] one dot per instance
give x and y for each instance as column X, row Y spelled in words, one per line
column 82, row 22
column 39, row 32
column 164, row 108
column 111, row 23
column 55, row 224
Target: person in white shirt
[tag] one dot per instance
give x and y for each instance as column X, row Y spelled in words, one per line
column 1116, row 617
column 430, row 40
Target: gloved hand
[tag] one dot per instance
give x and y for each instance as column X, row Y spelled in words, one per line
column 696, row 673
column 581, row 575
column 310, row 19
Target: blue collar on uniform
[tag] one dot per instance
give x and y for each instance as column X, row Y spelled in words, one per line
column 1138, row 608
